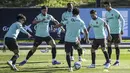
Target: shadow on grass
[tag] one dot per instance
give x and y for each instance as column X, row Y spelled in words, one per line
column 98, row 65
column 27, row 62
column 45, row 69
column 5, row 67
column 37, row 62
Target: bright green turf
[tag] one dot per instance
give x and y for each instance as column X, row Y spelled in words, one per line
column 41, row 63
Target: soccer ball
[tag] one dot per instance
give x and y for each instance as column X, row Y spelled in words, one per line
column 77, row 65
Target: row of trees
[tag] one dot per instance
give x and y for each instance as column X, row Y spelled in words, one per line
column 36, row 3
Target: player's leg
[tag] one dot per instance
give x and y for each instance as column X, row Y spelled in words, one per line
column 12, row 46
column 62, row 37
column 14, row 59
column 95, row 46
column 103, row 47
column 116, row 43
column 117, row 55
column 79, row 50
column 68, row 48
column 72, row 57
column 49, row 40
column 109, row 48
column 37, row 42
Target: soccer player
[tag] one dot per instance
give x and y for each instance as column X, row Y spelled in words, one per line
column 42, row 34
column 10, row 39
column 115, row 22
column 98, row 26
column 65, row 16
column 71, row 36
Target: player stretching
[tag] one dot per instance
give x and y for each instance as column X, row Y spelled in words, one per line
column 99, row 26
column 115, row 22
column 42, row 34
column 71, row 34
column 10, row 39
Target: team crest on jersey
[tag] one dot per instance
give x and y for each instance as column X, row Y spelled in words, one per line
column 111, row 14
column 96, row 22
column 48, row 18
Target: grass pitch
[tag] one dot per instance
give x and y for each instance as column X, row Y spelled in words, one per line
column 41, row 62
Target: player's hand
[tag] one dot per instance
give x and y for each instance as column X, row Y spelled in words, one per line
column 121, row 32
column 62, row 30
column 78, row 41
column 4, row 49
column 87, row 41
column 109, row 37
column 29, row 36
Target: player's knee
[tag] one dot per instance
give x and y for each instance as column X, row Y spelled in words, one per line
column 116, row 45
column 109, row 44
column 103, row 49
column 33, row 49
column 52, row 43
column 16, row 51
column 17, row 55
column 92, row 50
column 67, row 53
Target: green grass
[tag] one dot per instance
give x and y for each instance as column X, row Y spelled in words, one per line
column 41, row 62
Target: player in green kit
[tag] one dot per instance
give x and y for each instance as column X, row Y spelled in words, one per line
column 42, row 34
column 71, row 36
column 115, row 21
column 65, row 16
column 99, row 26
column 10, row 39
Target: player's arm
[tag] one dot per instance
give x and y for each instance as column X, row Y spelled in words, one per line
column 57, row 23
column 35, row 21
column 63, row 17
column 86, row 35
column 108, row 30
column 122, row 22
column 4, row 46
column 106, row 18
column 85, row 32
column 23, row 30
column 88, row 28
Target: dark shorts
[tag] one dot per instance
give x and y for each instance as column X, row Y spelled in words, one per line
column 116, row 38
column 11, row 44
column 39, row 40
column 98, row 42
column 69, row 45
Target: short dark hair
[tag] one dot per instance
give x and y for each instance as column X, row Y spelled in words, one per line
column 107, row 3
column 69, row 3
column 93, row 12
column 20, row 16
column 75, row 11
column 44, row 7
